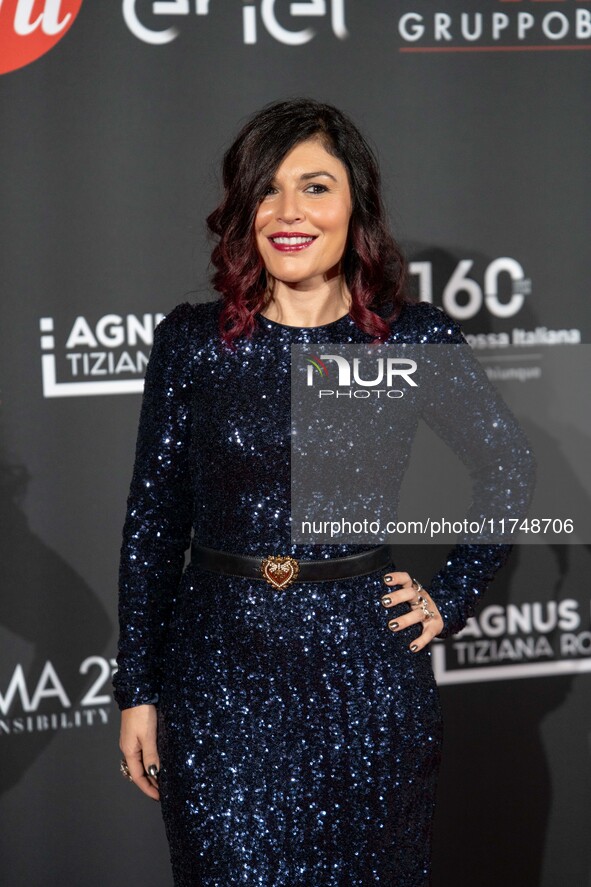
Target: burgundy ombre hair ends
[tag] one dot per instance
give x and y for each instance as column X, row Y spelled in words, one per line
column 374, row 268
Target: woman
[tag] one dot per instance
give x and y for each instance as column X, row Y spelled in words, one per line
column 293, row 736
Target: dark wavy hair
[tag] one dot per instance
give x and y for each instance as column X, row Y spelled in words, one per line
column 373, row 265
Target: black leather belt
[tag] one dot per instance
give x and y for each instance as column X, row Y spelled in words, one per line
column 280, row 571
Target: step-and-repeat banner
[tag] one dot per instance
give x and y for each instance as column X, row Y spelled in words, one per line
column 114, row 118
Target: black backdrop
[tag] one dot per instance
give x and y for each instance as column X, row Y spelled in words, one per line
column 110, row 145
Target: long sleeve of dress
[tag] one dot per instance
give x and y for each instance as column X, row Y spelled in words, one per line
column 468, row 413
column 157, row 528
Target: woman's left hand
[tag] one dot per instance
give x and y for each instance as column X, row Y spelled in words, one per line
column 423, row 609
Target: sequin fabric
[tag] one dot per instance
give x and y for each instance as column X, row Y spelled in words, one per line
column 299, row 737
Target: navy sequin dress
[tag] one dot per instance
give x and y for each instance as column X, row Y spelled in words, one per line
column 299, row 737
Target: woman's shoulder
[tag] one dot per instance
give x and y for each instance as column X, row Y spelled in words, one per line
column 189, row 319
column 425, row 322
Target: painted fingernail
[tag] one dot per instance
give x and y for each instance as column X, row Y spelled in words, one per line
column 414, row 648
column 393, row 625
column 387, row 578
column 386, row 601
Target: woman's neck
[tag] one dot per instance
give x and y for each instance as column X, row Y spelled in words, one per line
column 308, row 307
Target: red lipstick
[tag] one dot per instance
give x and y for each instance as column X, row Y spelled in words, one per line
column 291, row 241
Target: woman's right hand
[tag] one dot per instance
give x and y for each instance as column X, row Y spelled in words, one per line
column 137, row 742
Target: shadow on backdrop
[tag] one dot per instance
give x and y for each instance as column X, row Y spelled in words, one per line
column 52, row 609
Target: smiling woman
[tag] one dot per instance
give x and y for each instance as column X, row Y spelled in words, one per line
column 277, row 697
column 302, row 226
column 300, row 168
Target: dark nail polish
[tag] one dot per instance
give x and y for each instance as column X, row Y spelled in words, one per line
column 393, row 625
column 414, row 648
column 387, row 579
column 386, row 601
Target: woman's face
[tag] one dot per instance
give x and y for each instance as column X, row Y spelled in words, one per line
column 302, row 222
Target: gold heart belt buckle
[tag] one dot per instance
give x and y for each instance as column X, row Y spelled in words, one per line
column 279, row 570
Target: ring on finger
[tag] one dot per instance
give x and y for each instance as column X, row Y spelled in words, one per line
column 123, row 767
column 416, row 602
column 423, row 603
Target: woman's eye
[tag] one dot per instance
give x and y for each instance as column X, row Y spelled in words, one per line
column 316, row 188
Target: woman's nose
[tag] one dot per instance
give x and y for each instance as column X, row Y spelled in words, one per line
column 289, row 209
